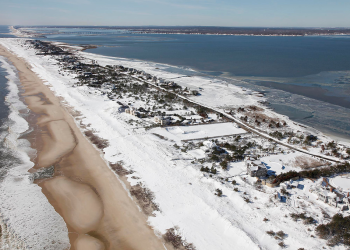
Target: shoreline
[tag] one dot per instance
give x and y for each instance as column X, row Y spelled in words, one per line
column 130, row 61
column 231, row 79
column 145, row 30
column 313, row 124
column 20, row 199
column 149, row 67
column 103, row 205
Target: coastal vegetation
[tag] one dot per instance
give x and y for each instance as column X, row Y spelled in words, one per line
column 337, row 231
column 173, row 237
column 314, row 173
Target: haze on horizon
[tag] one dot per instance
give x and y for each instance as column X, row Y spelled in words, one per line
column 249, row 13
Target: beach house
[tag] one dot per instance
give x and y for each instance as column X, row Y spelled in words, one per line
column 256, row 169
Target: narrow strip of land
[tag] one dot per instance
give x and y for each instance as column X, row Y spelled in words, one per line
column 84, row 191
column 245, row 126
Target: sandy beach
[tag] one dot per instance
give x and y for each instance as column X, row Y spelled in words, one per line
column 91, row 199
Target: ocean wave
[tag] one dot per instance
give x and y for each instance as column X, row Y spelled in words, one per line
column 27, row 219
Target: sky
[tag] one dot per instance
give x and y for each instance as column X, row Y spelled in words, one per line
column 236, row 13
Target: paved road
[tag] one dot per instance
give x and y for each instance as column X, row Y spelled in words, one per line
column 245, row 126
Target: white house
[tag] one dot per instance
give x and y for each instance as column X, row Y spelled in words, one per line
column 130, row 111
column 159, row 120
column 209, row 144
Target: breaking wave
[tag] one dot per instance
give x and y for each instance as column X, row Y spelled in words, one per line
column 27, row 219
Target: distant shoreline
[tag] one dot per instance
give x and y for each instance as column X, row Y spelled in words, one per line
column 224, row 31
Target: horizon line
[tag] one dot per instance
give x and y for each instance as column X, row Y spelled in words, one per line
column 202, row 26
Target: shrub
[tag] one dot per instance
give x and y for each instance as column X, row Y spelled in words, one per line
column 314, row 173
column 98, row 141
column 281, row 234
column 223, row 164
column 271, row 233
column 281, row 244
column 246, row 199
column 348, row 151
column 306, row 219
column 171, row 236
column 309, row 139
column 205, row 169
column 309, row 220
column 218, row 192
column 145, row 198
column 337, row 231
column 119, row 169
column 214, row 157
column 284, row 191
column 277, row 135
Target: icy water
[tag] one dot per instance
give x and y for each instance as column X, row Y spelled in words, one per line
column 306, row 78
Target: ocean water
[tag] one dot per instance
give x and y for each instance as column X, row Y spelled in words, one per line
column 5, row 31
column 5, row 154
column 9, row 158
column 306, row 78
column 4, row 110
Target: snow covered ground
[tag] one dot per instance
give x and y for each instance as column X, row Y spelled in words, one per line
column 184, row 194
column 341, row 182
column 199, row 131
column 281, row 163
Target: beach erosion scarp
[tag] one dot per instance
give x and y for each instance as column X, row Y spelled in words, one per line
column 91, row 199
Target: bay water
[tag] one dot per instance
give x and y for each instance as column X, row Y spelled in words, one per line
column 306, row 78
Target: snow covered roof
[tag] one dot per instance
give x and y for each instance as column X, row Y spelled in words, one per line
column 331, row 195
column 257, row 163
column 209, row 144
column 254, row 168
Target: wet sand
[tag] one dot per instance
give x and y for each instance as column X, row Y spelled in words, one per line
column 96, row 208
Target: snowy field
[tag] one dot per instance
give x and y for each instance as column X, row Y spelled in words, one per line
column 341, row 182
column 184, row 194
column 280, row 163
column 180, row 133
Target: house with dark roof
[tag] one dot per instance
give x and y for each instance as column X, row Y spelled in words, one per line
column 256, row 169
